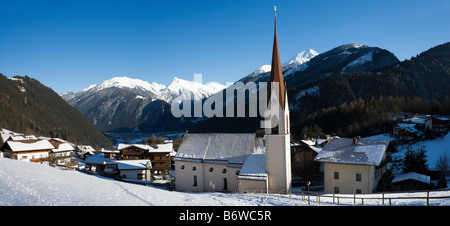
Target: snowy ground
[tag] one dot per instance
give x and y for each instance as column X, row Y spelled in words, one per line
column 31, row 184
column 434, row 148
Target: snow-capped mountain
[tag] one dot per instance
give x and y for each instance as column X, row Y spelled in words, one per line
column 342, row 59
column 177, row 88
column 263, row 69
column 123, row 103
column 183, row 89
column 300, row 59
column 127, row 83
column 295, row 63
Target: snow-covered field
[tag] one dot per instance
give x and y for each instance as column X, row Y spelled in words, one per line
column 434, row 148
column 31, row 184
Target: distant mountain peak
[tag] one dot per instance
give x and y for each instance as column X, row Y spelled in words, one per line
column 129, row 83
column 294, row 62
column 300, row 59
column 263, row 69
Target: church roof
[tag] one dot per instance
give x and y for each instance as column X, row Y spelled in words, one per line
column 230, row 147
column 254, row 167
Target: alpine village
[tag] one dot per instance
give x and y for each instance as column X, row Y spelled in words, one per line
column 357, row 122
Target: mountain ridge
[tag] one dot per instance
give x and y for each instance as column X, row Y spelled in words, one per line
column 124, row 104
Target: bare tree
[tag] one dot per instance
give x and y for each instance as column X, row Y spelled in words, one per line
column 443, row 162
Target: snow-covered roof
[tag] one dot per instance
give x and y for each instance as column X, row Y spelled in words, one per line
column 34, row 146
column 412, row 176
column 167, row 147
column 409, row 127
column 63, row 147
column 86, row 148
column 121, row 164
column 110, row 151
column 312, row 144
column 365, row 152
column 97, row 159
column 254, row 167
column 161, row 147
column 231, row 147
column 132, row 164
column 416, row 120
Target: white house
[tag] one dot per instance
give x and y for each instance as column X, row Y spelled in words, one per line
column 28, row 150
column 354, row 166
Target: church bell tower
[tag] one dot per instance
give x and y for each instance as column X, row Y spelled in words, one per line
column 278, row 152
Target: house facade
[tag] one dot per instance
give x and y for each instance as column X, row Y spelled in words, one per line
column 159, row 156
column 62, row 153
column 353, row 166
column 28, row 150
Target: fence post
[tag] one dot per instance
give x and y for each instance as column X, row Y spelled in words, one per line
column 354, row 199
column 338, row 200
column 428, row 198
column 390, row 202
column 362, row 201
column 383, row 200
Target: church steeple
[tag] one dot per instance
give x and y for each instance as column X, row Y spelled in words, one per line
column 276, row 73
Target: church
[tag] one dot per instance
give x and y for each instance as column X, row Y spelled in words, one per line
column 231, row 161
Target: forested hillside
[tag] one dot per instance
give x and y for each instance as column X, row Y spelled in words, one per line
column 29, row 107
column 359, row 103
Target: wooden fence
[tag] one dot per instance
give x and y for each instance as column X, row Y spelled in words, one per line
column 383, row 199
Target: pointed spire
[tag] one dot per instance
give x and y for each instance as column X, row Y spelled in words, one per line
column 276, row 73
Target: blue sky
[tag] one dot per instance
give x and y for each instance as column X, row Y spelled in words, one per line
column 71, row 44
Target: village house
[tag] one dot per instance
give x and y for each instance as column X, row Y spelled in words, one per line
column 130, row 170
column 439, row 125
column 410, row 182
column 110, row 153
column 160, row 156
column 28, row 150
column 404, row 132
column 62, row 153
column 84, row 150
column 354, row 166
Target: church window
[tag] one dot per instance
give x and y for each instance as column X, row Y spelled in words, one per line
column 224, row 184
column 194, row 181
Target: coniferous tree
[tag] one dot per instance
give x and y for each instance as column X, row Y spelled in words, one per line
column 415, row 161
